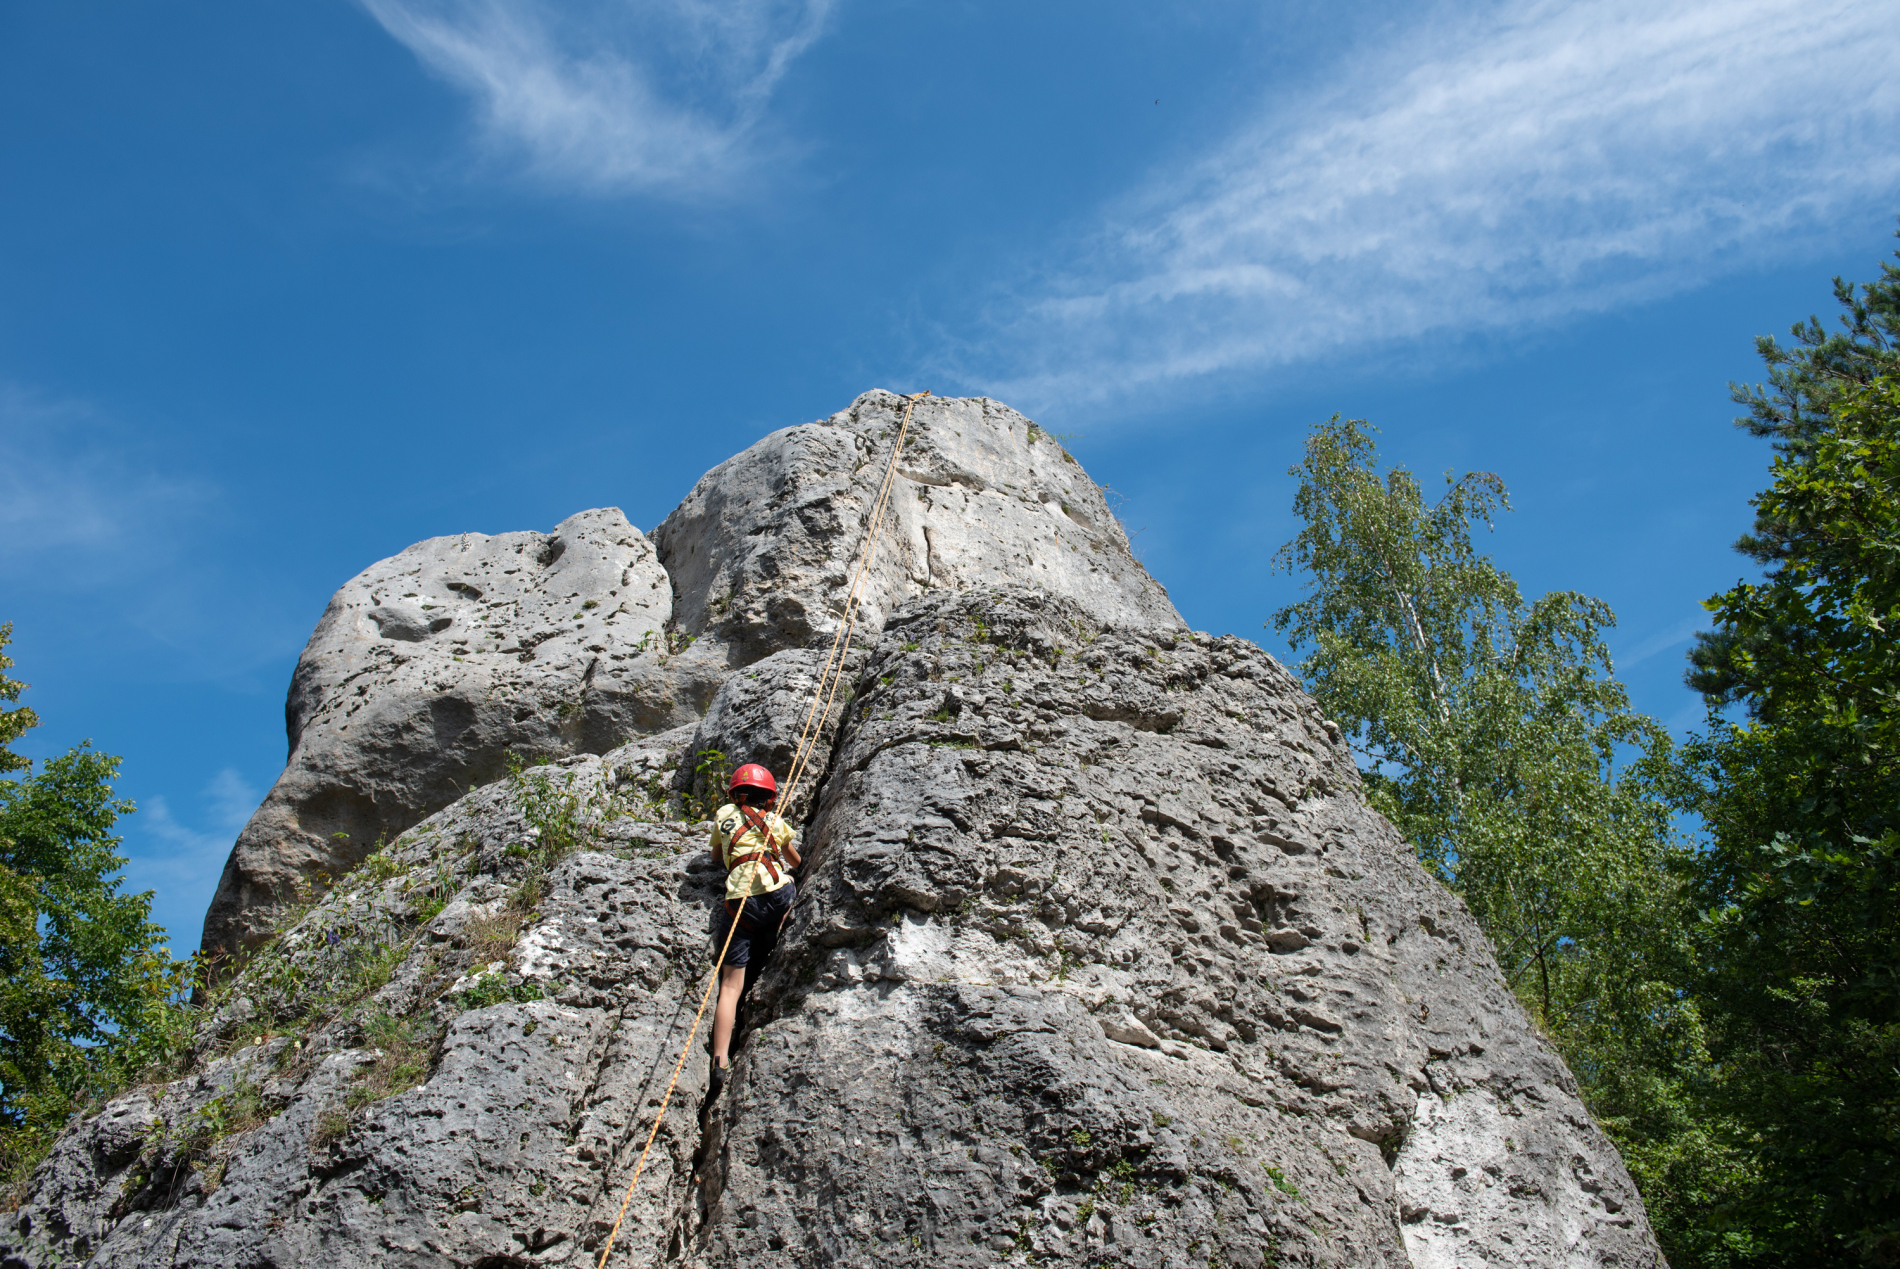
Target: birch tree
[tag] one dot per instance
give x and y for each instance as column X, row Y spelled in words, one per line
column 1492, row 732
column 1490, row 729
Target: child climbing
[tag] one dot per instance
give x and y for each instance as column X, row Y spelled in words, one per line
column 755, row 845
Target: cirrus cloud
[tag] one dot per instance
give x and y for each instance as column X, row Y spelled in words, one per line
column 609, row 96
column 1508, row 170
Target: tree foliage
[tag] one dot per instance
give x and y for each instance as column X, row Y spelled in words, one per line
column 14, row 723
column 88, row 982
column 1489, row 726
column 1805, row 381
column 1795, row 412
column 1492, row 732
column 1801, row 882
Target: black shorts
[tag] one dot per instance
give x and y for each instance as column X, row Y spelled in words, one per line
column 758, row 925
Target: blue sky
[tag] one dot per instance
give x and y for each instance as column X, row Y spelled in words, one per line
column 286, row 287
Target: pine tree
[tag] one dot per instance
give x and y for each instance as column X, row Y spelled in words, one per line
column 1804, row 382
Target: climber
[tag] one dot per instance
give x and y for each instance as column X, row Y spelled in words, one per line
column 755, row 845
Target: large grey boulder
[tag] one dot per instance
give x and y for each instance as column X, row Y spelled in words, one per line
column 428, row 668
column 1100, row 958
column 1103, row 957
column 404, row 1078
column 1100, row 955
column 762, row 550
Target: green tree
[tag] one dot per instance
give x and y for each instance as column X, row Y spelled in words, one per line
column 1493, row 734
column 1793, row 411
column 1801, row 881
column 1805, row 381
column 88, row 984
column 13, row 722
column 1489, row 727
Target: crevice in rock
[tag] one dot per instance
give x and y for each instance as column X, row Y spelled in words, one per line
column 760, row 1005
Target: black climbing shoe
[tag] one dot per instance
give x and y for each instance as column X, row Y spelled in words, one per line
column 717, row 1081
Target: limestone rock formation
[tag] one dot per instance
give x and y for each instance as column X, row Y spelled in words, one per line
column 761, row 549
column 428, row 668
column 1100, row 958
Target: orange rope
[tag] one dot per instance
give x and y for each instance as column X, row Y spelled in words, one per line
column 801, row 753
column 671, row 1084
column 814, row 726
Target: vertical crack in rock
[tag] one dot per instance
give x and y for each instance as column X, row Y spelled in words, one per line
column 1100, row 956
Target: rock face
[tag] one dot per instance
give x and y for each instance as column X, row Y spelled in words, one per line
column 1099, row 958
column 1103, row 957
column 761, row 550
column 428, row 668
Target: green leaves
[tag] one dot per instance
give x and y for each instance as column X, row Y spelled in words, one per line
column 1801, row 882
column 1808, row 380
column 1490, row 728
column 88, row 992
column 1492, row 733
column 14, row 723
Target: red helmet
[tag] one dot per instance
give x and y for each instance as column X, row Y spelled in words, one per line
column 753, row 776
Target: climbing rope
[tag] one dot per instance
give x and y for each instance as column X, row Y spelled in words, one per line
column 814, row 726
column 825, row 690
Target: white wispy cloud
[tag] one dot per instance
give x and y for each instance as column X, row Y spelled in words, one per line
column 612, row 95
column 1500, row 171
column 1661, row 641
column 227, row 800
column 69, row 484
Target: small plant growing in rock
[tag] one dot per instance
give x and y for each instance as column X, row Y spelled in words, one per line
column 494, row 935
column 402, row 1059
column 330, row 1126
column 493, row 989
column 555, row 812
column 711, row 770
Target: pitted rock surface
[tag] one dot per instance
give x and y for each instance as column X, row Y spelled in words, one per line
column 429, row 667
column 1103, row 958
column 540, row 1056
column 762, row 550
column 1099, row 958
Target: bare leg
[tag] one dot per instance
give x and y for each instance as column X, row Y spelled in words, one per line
column 731, row 984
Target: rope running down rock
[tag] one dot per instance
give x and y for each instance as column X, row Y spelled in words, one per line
column 808, row 736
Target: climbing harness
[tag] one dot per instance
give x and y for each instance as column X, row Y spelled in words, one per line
column 825, row 690
column 768, row 855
